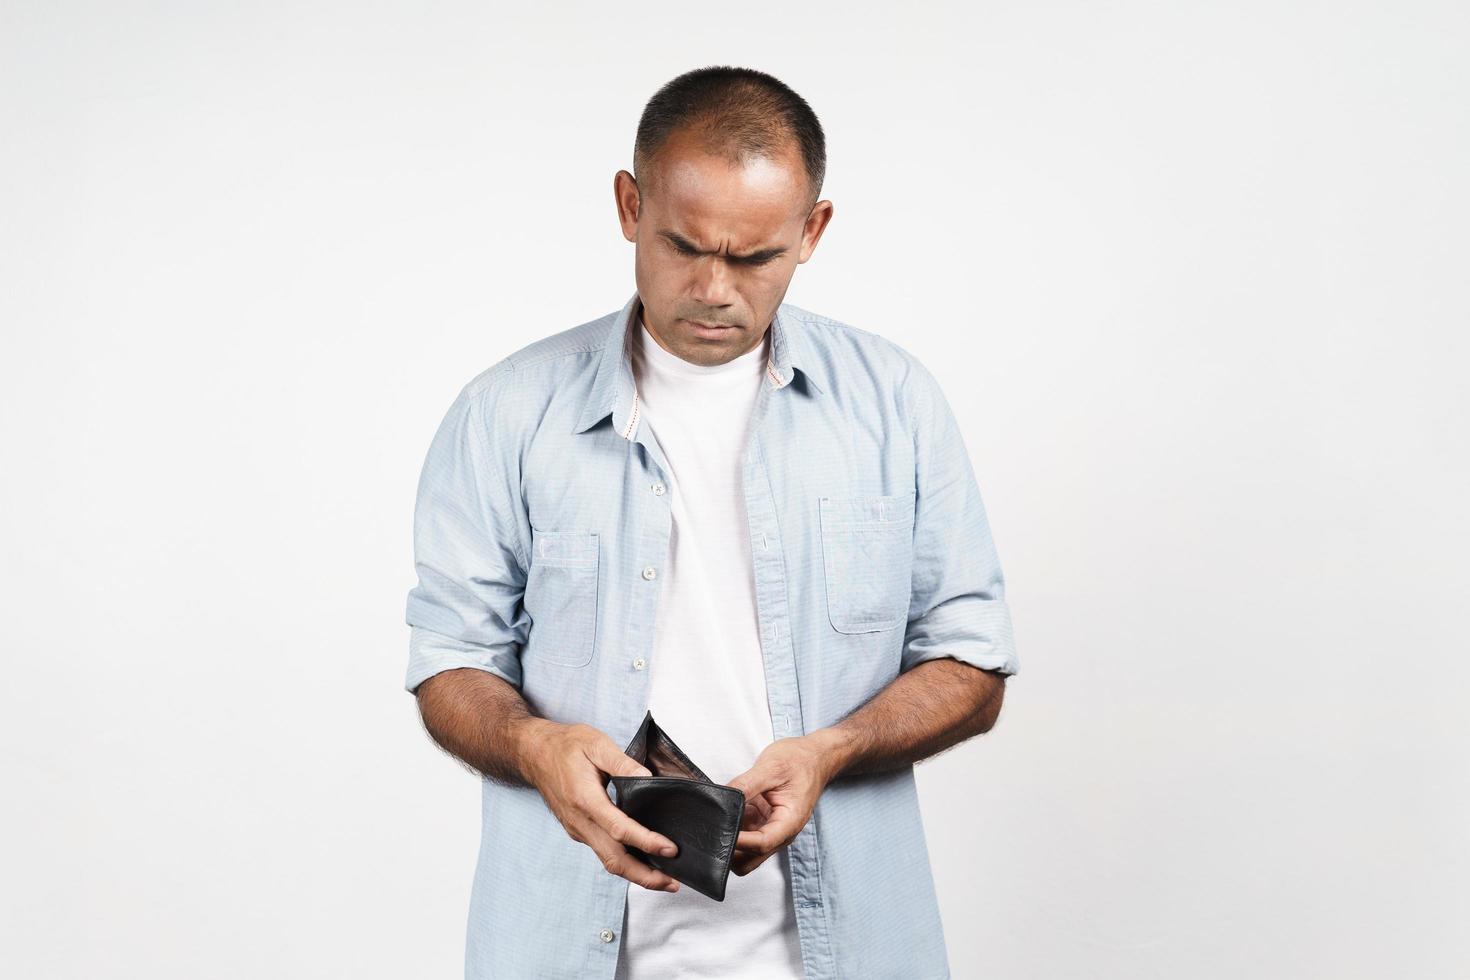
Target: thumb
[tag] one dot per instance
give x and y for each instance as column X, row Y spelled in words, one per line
column 753, row 781
column 615, row 762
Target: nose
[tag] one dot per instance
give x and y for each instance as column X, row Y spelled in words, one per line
column 713, row 285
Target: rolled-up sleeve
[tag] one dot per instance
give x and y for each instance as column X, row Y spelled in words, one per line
column 957, row 608
column 466, row 610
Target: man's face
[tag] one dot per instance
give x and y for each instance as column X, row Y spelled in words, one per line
column 716, row 245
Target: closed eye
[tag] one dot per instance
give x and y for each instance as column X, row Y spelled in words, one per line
column 756, row 259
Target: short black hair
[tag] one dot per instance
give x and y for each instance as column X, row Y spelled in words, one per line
column 736, row 113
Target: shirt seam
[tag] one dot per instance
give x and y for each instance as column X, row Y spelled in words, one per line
column 519, row 363
column 477, row 408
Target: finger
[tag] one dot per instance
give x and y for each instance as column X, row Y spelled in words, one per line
column 616, row 859
column 745, row 864
column 759, row 804
column 624, row 829
column 606, row 756
column 755, row 781
column 781, row 827
column 752, row 818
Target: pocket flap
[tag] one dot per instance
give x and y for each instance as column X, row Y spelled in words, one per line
column 563, row 547
column 892, row 510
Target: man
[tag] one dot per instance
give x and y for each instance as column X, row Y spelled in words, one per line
column 754, row 521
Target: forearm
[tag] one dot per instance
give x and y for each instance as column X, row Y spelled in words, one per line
column 482, row 721
column 923, row 711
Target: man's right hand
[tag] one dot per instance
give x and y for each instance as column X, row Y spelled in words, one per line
column 570, row 766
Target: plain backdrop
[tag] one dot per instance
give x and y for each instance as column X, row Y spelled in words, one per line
column 1193, row 277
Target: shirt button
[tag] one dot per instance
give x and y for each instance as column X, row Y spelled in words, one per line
column 658, row 489
column 606, row 935
column 639, row 664
column 649, row 572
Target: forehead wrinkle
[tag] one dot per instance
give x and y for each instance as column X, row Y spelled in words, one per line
column 726, row 246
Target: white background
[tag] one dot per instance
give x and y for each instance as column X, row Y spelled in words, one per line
column 1192, row 275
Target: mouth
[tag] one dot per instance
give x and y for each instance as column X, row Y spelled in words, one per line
column 710, row 329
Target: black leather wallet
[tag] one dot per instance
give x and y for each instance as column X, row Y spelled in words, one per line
column 686, row 806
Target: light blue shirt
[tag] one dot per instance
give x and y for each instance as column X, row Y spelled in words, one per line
column 541, row 527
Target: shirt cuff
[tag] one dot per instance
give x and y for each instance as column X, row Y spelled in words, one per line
column 430, row 653
column 975, row 632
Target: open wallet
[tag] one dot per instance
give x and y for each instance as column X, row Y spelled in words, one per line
column 679, row 801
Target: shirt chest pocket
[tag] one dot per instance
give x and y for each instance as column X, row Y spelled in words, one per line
column 867, row 559
column 561, row 596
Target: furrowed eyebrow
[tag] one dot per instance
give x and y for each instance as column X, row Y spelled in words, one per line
column 684, row 245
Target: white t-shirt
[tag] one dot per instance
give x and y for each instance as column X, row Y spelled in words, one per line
column 707, row 682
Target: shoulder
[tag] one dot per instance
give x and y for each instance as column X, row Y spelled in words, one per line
column 519, row 386
column 547, row 360
column 860, row 358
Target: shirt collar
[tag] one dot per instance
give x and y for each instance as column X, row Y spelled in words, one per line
column 614, row 390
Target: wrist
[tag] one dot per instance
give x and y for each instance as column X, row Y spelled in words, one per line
column 529, row 736
column 837, row 747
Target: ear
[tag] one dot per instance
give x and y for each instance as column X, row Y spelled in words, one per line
column 816, row 223
column 629, row 200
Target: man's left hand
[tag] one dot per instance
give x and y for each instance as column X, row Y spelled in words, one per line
column 781, row 790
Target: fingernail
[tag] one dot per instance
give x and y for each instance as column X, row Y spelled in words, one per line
column 669, row 850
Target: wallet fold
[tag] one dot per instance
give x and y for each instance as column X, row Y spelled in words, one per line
column 679, row 801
